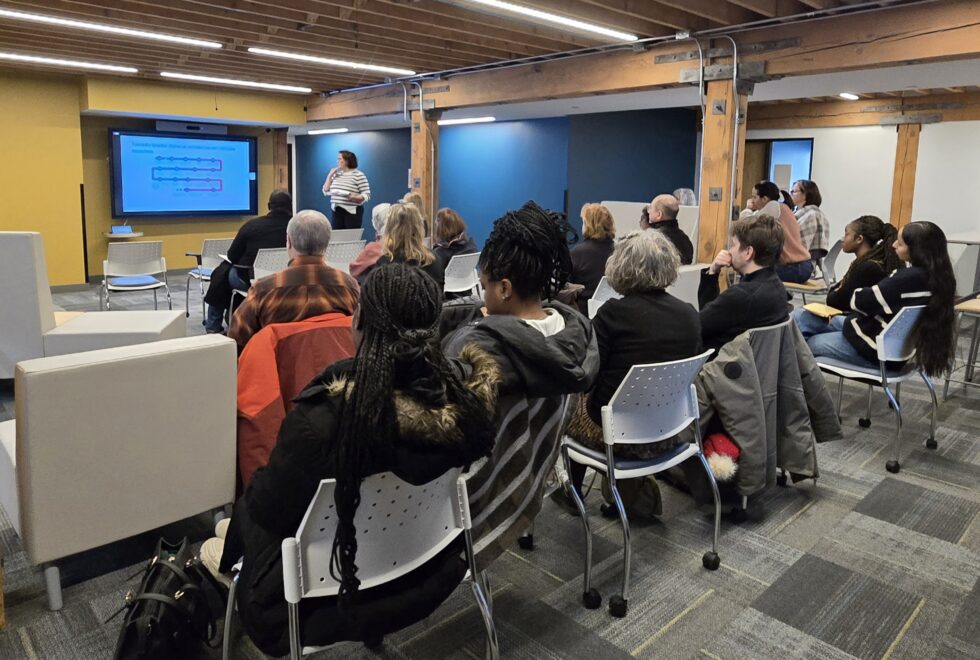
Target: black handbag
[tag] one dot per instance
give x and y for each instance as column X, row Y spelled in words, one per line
column 175, row 609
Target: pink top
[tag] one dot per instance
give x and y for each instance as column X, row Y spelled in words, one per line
column 367, row 258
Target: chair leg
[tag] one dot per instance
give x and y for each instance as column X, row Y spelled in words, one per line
column 229, row 613
column 155, row 299
column 526, row 542
column 618, row 605
column 894, row 465
column 187, row 297
column 52, row 585
column 840, row 394
column 295, row 650
column 974, row 346
column 204, row 310
column 590, row 596
column 170, row 302
column 931, row 440
column 865, row 422
column 710, row 560
column 483, row 603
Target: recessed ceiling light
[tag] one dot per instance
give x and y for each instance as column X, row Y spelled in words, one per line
column 469, row 120
column 76, row 64
column 564, row 21
column 849, row 96
column 237, row 83
column 327, row 61
column 326, row 131
column 111, row 29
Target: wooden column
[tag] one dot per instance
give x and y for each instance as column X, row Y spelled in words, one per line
column 280, row 159
column 425, row 161
column 718, row 206
column 903, row 184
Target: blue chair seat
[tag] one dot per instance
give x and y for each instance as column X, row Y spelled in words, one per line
column 136, row 280
column 201, row 272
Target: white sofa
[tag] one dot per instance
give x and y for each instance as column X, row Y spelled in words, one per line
column 111, row 443
column 30, row 327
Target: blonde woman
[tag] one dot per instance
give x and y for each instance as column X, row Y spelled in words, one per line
column 404, row 241
column 589, row 257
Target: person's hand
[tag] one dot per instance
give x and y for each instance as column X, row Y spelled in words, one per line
column 332, row 173
column 749, row 204
column 722, row 260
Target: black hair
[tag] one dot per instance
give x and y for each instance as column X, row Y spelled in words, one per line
column 934, row 334
column 881, row 237
column 787, row 200
column 349, row 158
column 280, row 200
column 398, row 316
column 529, row 247
column 767, row 189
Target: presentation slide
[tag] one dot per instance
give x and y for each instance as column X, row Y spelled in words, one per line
column 166, row 174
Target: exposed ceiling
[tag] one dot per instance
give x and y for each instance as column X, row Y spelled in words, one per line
column 420, row 35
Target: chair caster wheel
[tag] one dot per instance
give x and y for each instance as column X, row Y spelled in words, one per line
column 781, row 479
column 187, row 315
column 864, row 423
column 711, row 561
column 739, row 515
column 592, row 599
column 617, row 606
column 374, row 642
column 931, row 443
column 893, row 467
column 526, row 542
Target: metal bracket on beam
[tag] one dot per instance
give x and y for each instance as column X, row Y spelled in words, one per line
column 427, row 105
column 760, row 47
column 430, row 90
column 753, row 71
column 895, row 120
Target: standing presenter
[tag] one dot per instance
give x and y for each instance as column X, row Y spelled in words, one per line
column 348, row 190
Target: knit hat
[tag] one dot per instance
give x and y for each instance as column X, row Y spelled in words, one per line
column 722, row 454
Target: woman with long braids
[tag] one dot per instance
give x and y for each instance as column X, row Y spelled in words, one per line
column 399, row 405
column 927, row 280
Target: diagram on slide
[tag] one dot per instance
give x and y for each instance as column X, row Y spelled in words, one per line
column 190, row 166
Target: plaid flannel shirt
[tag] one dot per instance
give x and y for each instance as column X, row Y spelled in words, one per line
column 814, row 228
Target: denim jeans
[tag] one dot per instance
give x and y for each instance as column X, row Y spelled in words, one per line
column 811, row 324
column 826, row 339
column 796, row 273
column 214, row 320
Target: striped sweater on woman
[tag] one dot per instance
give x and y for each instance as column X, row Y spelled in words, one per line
column 875, row 306
column 348, row 182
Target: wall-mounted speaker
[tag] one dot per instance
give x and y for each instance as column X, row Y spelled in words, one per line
column 185, row 127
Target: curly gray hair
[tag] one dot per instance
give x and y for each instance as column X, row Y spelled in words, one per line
column 642, row 261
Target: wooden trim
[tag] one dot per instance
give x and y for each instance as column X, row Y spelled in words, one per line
column 425, row 162
column 868, row 112
column 280, row 158
column 903, row 183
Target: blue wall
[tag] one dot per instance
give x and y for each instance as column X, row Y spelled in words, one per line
column 629, row 156
column 383, row 156
column 488, row 169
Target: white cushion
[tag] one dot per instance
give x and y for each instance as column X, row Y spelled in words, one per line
column 8, row 473
column 25, row 299
column 96, row 330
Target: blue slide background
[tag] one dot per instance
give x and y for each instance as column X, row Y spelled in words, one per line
column 140, row 154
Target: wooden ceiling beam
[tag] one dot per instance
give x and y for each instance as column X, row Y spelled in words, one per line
column 773, row 8
column 719, row 11
column 868, row 112
column 668, row 17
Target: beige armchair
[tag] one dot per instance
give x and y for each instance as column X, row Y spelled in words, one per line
column 77, row 473
column 30, row 328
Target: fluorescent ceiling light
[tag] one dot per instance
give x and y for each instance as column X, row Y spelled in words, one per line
column 469, row 120
column 849, row 96
column 556, row 19
column 112, row 29
column 77, row 64
column 237, row 83
column 326, row 131
column 331, row 62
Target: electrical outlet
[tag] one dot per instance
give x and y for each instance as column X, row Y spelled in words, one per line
column 718, row 107
column 714, row 194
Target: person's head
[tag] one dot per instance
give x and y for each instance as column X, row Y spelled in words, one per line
column 868, row 237
column 397, row 325
column 642, row 261
column 764, row 192
column 787, row 199
column 449, row 225
column 806, row 193
column 308, row 233
column 685, row 196
column 346, row 160
column 280, row 201
column 379, row 217
column 664, row 207
column 923, row 244
column 757, row 242
column 414, row 198
column 404, row 236
column 597, row 223
column 524, row 259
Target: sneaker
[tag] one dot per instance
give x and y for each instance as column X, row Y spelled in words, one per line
column 221, row 529
column 211, row 551
column 563, row 498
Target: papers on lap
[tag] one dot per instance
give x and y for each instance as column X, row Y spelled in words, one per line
column 821, row 310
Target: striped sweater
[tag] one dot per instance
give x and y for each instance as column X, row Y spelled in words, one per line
column 875, row 306
column 346, row 183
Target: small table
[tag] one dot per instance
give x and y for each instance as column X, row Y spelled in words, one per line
column 122, row 237
column 968, row 238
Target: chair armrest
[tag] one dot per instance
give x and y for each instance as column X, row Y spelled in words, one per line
column 196, row 255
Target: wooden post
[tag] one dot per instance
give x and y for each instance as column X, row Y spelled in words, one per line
column 718, row 206
column 280, row 159
column 903, row 184
column 425, row 161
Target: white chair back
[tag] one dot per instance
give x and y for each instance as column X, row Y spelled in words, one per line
column 603, row 292
column 461, row 273
column 340, row 254
column 895, row 340
column 685, row 287
column 25, row 299
column 212, row 250
column 688, row 220
column 399, row 528
column 829, row 263
column 626, row 215
column 654, row 402
column 129, row 259
column 269, row 261
column 346, row 235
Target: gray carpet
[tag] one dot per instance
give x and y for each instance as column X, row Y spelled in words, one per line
column 863, row 564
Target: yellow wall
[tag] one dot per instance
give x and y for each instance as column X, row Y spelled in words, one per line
column 41, row 168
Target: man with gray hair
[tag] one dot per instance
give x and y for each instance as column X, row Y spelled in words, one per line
column 663, row 217
column 307, row 287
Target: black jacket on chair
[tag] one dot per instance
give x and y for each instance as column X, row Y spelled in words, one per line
column 265, row 231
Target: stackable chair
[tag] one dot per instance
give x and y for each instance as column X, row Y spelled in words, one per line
column 654, row 403
column 341, row 253
column 893, row 346
column 346, row 235
column 267, row 262
column 968, row 309
column 408, row 525
column 821, row 285
column 133, row 267
column 207, row 260
column 603, row 292
column 461, row 274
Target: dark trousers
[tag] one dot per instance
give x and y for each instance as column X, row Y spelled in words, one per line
column 343, row 219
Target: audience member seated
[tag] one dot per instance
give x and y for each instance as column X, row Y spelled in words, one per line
column 372, row 251
column 871, row 241
column 928, row 280
column 814, row 225
column 267, row 231
column 662, row 216
column 451, row 237
column 794, row 261
column 416, row 200
column 544, row 350
column 759, row 299
column 307, row 287
column 405, row 241
column 645, row 326
column 398, row 406
column 589, row 257
column 686, row 197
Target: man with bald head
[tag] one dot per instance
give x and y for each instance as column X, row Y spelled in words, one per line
column 662, row 214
